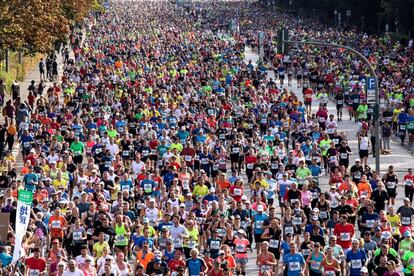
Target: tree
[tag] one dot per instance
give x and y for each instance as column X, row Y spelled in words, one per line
column 36, row 24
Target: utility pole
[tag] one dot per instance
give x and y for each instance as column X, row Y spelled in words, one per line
column 377, row 100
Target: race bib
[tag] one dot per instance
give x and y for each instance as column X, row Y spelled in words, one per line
column 265, row 268
column 178, row 243
column 191, row 243
column 236, row 150
column 56, row 224
column 289, row 230
column 240, row 248
column 405, row 220
column 340, row 102
column 237, row 192
column 356, row 263
column 34, row 272
column 344, row 155
column 215, row 245
column 402, row 127
column 408, row 182
column 188, row 158
column 275, row 166
column 370, row 223
column 273, row 243
column 77, row 236
column 297, row 220
column 315, row 265
column 119, row 238
column 345, row 236
column 259, row 224
column 294, row 266
column 391, row 185
column 250, row 166
column 148, row 188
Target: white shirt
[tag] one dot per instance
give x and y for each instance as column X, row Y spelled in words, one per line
column 137, row 166
column 77, row 272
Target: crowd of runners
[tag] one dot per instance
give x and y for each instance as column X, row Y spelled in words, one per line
column 161, row 152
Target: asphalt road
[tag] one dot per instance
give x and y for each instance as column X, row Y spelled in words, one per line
column 400, row 158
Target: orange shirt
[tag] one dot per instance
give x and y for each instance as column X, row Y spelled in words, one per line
column 364, row 188
column 56, row 224
column 224, row 184
column 144, row 260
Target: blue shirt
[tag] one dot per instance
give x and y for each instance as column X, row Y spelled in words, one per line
column 28, row 178
column 195, row 266
column 258, row 222
column 356, row 260
column 294, row 263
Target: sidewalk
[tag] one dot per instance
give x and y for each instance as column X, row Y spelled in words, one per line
column 24, row 93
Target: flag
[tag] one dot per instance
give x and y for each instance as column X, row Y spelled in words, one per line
column 24, row 205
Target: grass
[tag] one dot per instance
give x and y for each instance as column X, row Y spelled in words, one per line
column 18, row 71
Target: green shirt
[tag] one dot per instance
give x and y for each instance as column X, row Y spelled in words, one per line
column 325, row 145
column 77, row 147
column 408, row 257
column 303, row 172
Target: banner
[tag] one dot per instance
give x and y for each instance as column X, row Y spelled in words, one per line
column 24, row 205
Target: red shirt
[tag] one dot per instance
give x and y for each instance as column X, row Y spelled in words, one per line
column 33, row 263
column 344, row 234
column 308, row 95
column 174, row 264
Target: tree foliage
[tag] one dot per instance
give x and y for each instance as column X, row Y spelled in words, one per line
column 372, row 15
column 36, row 24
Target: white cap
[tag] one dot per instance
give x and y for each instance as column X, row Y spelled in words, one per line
column 212, row 190
column 260, row 208
column 244, row 197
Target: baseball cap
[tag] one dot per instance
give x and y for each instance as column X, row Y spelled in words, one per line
column 244, row 197
column 407, row 234
column 364, row 270
column 314, row 218
column 357, row 160
column 157, row 260
column 260, row 208
column 241, row 232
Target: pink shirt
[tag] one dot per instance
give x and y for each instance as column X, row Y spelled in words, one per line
column 306, row 198
column 241, row 248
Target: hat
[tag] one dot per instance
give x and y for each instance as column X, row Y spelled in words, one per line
column 157, row 260
column 241, row 232
column 357, row 160
column 364, row 270
column 367, row 233
column 145, row 220
column 189, row 194
column 182, row 205
column 363, row 196
column 377, row 228
column 244, row 197
column 152, row 200
column 260, row 208
column 212, row 190
column 221, row 252
column 314, row 218
column 407, row 234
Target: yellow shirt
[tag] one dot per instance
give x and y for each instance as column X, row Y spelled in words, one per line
column 60, row 183
column 98, row 249
column 395, row 221
column 200, row 190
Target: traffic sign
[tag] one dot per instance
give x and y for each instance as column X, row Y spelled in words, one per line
column 371, row 88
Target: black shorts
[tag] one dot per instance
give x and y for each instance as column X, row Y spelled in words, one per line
column 299, row 77
column 282, row 77
column 344, row 163
column 363, row 153
column 258, row 238
column 392, row 193
column 234, row 158
column 308, row 103
column 339, row 106
column 275, row 252
column 355, row 107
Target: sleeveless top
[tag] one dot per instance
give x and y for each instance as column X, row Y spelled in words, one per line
column 120, row 237
column 274, row 242
column 316, row 262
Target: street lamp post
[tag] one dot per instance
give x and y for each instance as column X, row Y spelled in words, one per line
column 335, row 13
column 339, row 19
column 348, row 15
column 377, row 99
